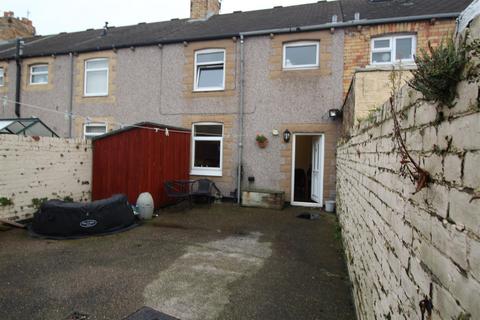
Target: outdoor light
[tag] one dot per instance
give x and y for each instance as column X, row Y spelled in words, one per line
column 334, row 113
column 286, row 135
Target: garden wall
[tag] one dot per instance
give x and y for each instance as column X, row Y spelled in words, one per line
column 401, row 246
column 33, row 168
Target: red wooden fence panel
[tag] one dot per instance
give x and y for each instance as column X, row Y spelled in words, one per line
column 136, row 160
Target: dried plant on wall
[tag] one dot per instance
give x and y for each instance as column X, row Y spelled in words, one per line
column 409, row 168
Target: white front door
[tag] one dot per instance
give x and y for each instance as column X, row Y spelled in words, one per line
column 317, row 170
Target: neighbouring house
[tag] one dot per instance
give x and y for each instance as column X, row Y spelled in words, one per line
column 228, row 78
column 12, row 27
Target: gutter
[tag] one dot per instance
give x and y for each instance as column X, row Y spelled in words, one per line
column 351, row 23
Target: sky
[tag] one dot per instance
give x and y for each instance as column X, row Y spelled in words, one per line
column 54, row 16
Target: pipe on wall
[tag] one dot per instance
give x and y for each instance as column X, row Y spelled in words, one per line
column 18, row 75
column 240, row 119
column 70, row 100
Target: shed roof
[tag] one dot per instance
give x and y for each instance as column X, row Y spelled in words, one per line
column 26, row 127
column 139, row 126
column 232, row 24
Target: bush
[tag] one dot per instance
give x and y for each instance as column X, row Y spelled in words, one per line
column 440, row 69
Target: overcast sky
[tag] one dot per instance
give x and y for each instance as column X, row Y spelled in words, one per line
column 54, row 16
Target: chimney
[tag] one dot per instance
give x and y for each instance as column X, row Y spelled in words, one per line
column 204, row 9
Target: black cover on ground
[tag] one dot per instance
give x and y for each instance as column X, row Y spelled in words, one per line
column 57, row 218
column 147, row 313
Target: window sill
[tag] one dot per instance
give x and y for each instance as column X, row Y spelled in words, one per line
column 38, row 84
column 206, row 172
column 95, row 95
column 390, row 66
column 209, row 90
column 300, row 68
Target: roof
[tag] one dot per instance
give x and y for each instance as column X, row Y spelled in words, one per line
column 382, row 9
column 26, row 127
column 292, row 18
column 139, row 125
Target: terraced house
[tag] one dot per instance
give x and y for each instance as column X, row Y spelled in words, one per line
column 283, row 73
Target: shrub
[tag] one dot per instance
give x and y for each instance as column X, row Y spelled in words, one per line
column 440, row 69
column 5, row 202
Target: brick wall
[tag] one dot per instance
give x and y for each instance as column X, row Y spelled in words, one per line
column 358, row 41
column 398, row 244
column 50, row 168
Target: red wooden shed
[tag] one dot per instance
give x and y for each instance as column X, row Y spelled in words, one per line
column 135, row 160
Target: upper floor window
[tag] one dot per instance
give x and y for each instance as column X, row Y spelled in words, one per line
column 209, row 70
column 394, row 49
column 2, row 77
column 91, row 130
column 96, row 77
column 301, row 55
column 39, row 74
column 207, row 149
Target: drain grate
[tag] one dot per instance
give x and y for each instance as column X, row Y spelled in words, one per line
column 147, row 313
column 309, row 216
column 78, row 316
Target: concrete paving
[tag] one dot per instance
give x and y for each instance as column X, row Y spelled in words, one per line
column 219, row 262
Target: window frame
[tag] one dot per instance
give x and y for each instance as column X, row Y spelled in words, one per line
column 86, row 135
column 393, row 50
column 196, row 69
column 32, row 73
column 206, row 171
column 301, row 44
column 96, row 94
column 2, row 76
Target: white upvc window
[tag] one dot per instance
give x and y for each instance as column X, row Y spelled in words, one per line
column 91, row 130
column 96, row 77
column 207, row 149
column 209, row 70
column 39, row 74
column 2, row 77
column 301, row 55
column 393, row 49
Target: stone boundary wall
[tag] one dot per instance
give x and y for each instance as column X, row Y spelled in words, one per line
column 39, row 167
column 401, row 246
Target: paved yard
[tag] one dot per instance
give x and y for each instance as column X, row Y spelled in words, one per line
column 219, row 263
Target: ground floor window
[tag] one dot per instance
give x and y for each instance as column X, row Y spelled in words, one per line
column 91, row 130
column 207, row 146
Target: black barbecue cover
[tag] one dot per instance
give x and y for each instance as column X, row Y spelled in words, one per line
column 71, row 219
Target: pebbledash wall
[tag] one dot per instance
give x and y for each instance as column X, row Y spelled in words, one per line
column 401, row 246
column 35, row 168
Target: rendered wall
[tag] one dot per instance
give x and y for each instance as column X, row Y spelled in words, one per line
column 397, row 243
column 50, row 168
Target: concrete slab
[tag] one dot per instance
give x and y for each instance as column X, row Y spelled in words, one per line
column 222, row 262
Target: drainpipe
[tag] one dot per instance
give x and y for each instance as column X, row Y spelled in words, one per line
column 70, row 102
column 18, row 75
column 240, row 120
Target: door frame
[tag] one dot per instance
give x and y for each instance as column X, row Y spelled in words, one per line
column 292, row 180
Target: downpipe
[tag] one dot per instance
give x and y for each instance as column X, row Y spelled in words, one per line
column 240, row 119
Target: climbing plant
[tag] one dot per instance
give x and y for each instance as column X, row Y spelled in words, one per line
column 440, row 69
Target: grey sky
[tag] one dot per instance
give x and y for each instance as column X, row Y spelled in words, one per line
column 53, row 16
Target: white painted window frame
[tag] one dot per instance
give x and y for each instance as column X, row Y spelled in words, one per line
column 87, row 70
column 2, row 77
column 301, row 44
column 38, row 73
column 392, row 49
column 201, row 64
column 203, row 171
column 93, row 124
